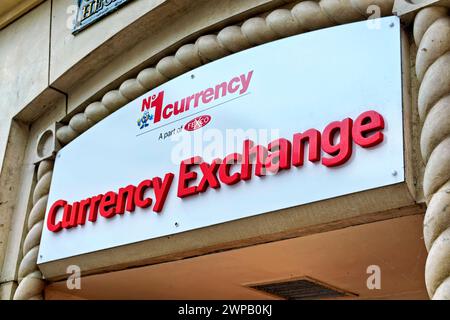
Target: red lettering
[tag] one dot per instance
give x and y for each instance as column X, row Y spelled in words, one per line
column 224, row 170
column 367, row 123
column 312, row 136
column 209, row 176
column 162, row 190
column 246, row 166
column 231, row 87
column 84, row 204
column 93, row 210
column 107, row 204
column 342, row 150
column 70, row 215
column 260, row 154
column 336, row 141
column 155, row 102
column 51, row 219
column 139, row 194
column 178, row 109
column 167, row 113
column 280, row 156
column 208, row 95
column 223, row 87
column 186, row 176
column 188, row 101
column 125, row 196
column 197, row 98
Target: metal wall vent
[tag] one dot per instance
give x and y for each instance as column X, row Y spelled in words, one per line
column 300, row 289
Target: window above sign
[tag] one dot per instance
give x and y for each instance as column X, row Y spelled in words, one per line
column 90, row 11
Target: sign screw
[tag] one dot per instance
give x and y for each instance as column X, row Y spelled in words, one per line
column 394, row 173
column 192, row 76
column 176, row 224
column 392, row 25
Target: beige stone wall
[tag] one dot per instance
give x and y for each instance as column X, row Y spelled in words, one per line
column 11, row 10
column 23, row 65
column 23, row 76
column 73, row 57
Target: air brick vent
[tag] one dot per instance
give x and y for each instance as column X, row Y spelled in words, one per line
column 300, row 289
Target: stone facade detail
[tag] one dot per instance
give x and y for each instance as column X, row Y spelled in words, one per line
column 432, row 37
column 31, row 282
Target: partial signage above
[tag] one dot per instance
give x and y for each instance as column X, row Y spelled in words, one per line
column 90, row 11
column 294, row 121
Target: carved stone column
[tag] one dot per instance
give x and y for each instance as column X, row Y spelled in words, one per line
column 31, row 282
column 432, row 37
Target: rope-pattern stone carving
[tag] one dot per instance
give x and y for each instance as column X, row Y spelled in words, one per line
column 31, row 283
column 303, row 17
column 432, row 36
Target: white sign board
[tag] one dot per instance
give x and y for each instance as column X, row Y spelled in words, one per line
column 122, row 181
